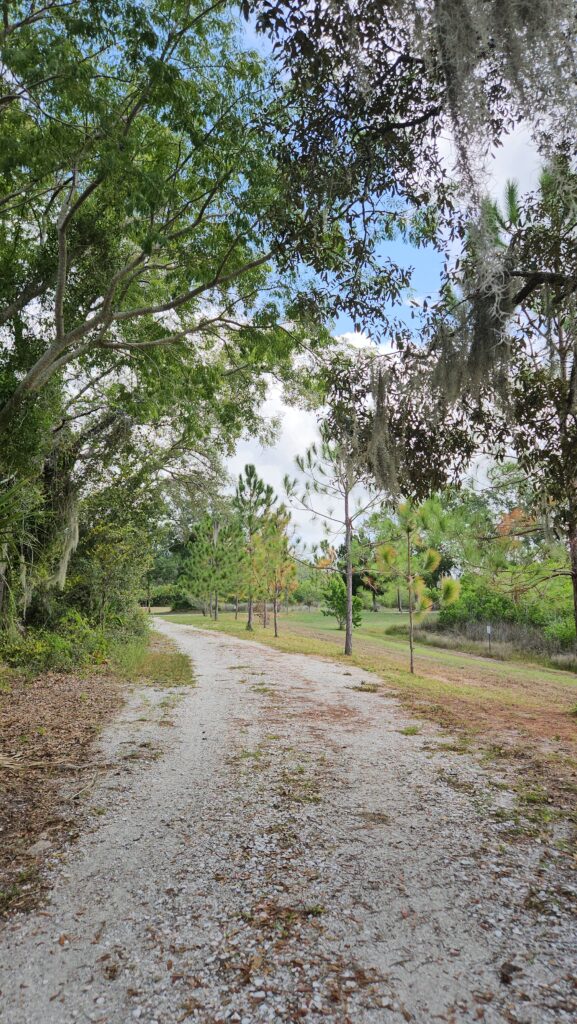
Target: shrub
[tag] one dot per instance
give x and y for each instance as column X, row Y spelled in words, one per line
column 561, row 632
column 134, row 622
column 106, row 574
column 37, row 651
column 335, row 601
column 531, row 623
column 162, row 594
column 478, row 603
column 85, row 641
column 366, row 598
column 72, row 644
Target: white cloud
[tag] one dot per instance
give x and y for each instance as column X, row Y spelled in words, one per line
column 516, row 159
column 298, row 430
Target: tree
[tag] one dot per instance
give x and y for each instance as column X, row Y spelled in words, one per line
column 275, row 567
column 215, row 557
column 134, row 193
column 410, row 563
column 507, row 556
column 382, row 81
column 395, row 414
column 108, row 573
column 363, row 557
column 309, row 586
column 141, row 303
column 254, row 501
column 335, row 470
column 336, row 602
column 511, row 344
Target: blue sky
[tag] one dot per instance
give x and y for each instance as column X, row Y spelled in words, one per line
column 426, row 263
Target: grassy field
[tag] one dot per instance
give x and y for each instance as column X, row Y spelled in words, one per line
column 510, row 709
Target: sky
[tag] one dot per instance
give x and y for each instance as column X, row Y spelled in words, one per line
column 516, row 159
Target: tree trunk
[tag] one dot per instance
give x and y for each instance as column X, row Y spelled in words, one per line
column 399, row 602
column 210, row 613
column 264, row 618
column 3, row 576
column 236, row 607
column 375, row 605
column 249, row 617
column 572, row 536
column 24, row 584
column 410, row 584
column 36, row 377
column 274, row 611
column 216, row 607
column 348, row 545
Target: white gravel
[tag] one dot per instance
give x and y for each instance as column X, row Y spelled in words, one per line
column 292, row 856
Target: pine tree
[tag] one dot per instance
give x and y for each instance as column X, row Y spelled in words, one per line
column 409, row 561
column 274, row 564
column 253, row 500
column 333, row 470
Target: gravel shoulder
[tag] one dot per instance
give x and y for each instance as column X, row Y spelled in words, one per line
column 286, row 852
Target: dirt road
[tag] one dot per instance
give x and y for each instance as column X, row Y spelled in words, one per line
column 287, row 852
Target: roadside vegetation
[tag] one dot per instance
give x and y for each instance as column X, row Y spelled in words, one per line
column 50, row 722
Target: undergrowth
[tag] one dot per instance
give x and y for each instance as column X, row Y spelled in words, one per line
column 156, row 662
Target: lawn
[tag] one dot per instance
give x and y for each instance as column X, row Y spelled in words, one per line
column 510, row 709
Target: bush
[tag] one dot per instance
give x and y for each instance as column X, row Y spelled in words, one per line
column 562, row 633
column 38, row 651
column 478, row 603
column 86, row 643
column 162, row 594
column 72, row 644
column 335, row 601
column 134, row 622
column 529, row 624
column 106, row 574
column 366, row 598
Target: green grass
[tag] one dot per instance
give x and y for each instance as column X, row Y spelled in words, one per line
column 444, row 649
column 374, row 624
column 154, row 662
column 371, row 650
column 372, row 639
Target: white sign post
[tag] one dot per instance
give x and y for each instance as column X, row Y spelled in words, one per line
column 489, row 631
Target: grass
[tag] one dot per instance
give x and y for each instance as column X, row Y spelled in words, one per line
column 155, row 662
column 518, row 710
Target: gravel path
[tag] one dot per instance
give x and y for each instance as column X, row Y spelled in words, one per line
column 292, row 855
